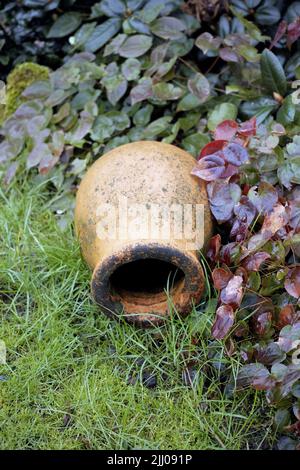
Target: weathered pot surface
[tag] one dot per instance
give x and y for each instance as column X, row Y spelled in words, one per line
column 124, row 206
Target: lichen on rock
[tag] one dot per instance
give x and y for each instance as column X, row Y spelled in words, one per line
column 18, row 80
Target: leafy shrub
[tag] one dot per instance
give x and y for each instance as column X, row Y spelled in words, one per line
column 222, row 90
column 256, row 269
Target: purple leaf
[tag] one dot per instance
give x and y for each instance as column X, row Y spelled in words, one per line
column 232, row 294
column 245, row 210
column 222, row 197
column 263, row 197
column 254, row 262
column 256, row 375
column 223, row 321
column 235, row 154
column 289, row 337
column 292, row 282
column 209, row 168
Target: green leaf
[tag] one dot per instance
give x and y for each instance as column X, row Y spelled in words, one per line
column 261, row 108
column 189, row 121
column 149, row 13
column 114, row 45
column 220, row 113
column 157, row 127
column 199, row 86
column 82, row 35
column 188, row 102
column 248, row 52
column 250, row 27
column 82, row 127
column 180, row 47
column 287, row 112
column 141, row 91
column 109, row 8
column 120, row 120
column 195, row 142
column 102, row 34
column 208, row 44
column 267, row 15
column 168, row 27
column 273, row 76
column 293, row 12
column 166, row 91
column 143, row 116
column 116, row 142
column 64, row 25
column 135, row 45
column 102, row 129
column 38, row 89
column 131, row 69
column 116, row 87
column 174, row 131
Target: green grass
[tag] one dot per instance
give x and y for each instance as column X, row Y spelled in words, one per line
column 65, row 384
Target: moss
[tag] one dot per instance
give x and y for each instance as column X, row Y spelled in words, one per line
column 18, row 80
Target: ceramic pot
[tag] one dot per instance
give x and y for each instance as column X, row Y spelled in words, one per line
column 141, row 218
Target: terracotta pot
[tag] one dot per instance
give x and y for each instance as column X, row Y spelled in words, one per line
column 124, row 206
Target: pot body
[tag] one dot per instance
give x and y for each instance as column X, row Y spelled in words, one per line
column 141, row 218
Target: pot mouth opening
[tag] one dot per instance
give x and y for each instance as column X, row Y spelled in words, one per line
column 145, row 280
column 143, row 283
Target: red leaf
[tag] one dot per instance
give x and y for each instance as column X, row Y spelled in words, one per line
column 294, row 428
column 261, row 323
column 253, row 262
column 226, row 130
column 212, row 147
column 214, row 248
column 232, row 294
column 248, row 128
column 221, row 277
column 293, row 32
column 223, row 321
column 279, row 33
column 287, row 316
column 229, row 253
column 292, row 282
column 210, row 167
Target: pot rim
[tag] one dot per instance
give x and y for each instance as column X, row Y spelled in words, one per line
column 183, row 296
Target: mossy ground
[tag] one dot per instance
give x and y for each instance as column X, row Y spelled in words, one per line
column 65, row 384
